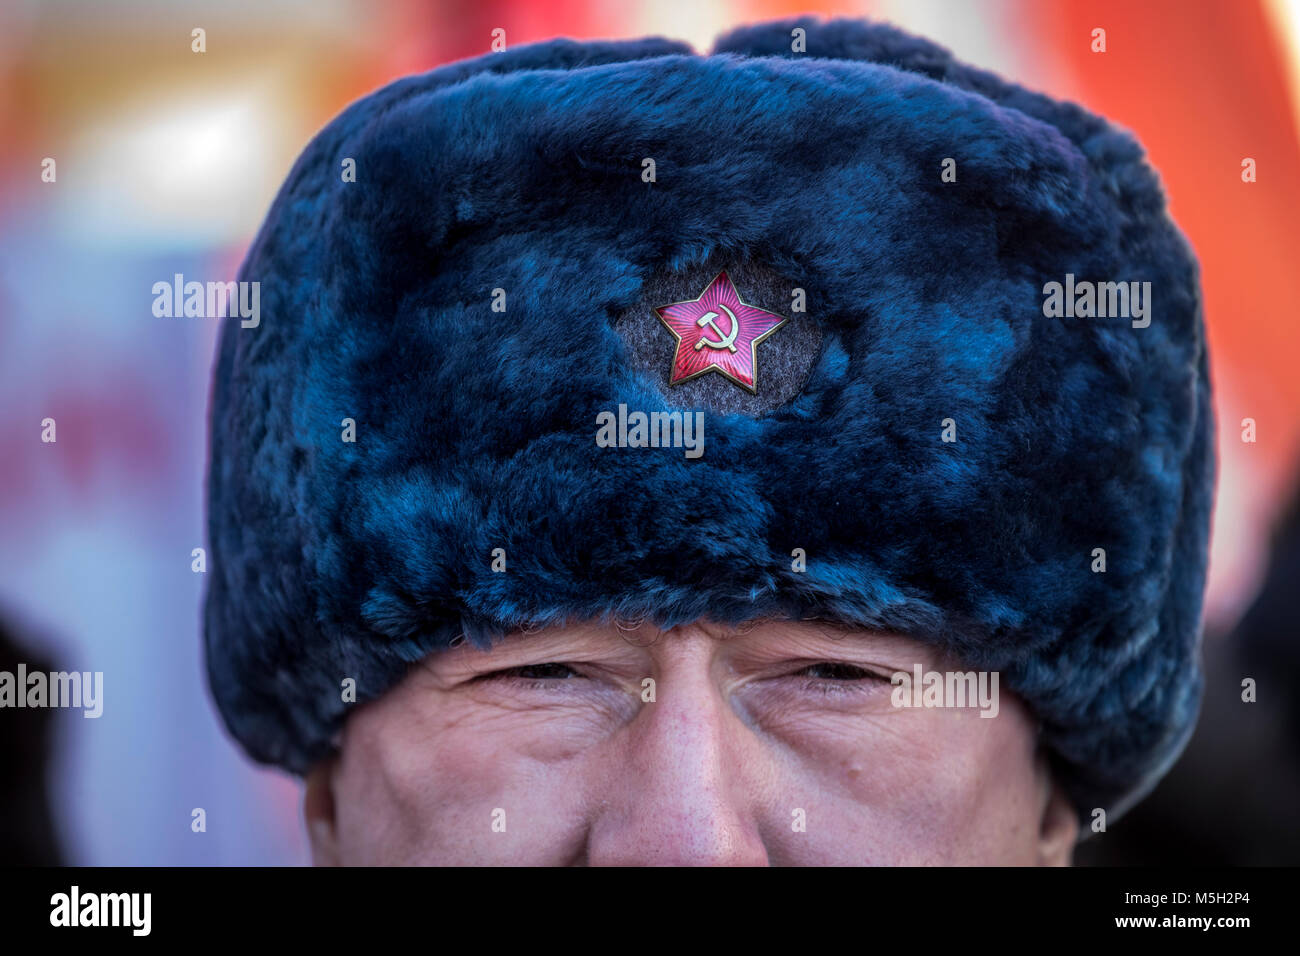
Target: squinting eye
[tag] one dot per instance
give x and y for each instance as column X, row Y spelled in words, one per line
column 547, row 671
column 836, row 670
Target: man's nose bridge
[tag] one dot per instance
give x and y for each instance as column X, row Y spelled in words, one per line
column 689, row 799
column 689, row 740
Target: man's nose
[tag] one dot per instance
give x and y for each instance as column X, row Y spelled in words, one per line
column 684, row 787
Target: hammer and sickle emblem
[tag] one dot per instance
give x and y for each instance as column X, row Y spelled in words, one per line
column 724, row 341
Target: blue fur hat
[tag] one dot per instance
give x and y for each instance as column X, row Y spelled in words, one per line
column 955, row 421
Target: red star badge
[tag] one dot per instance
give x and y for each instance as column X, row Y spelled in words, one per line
column 717, row 331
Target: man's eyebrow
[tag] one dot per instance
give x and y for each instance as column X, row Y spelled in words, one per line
column 559, row 640
column 816, row 637
column 839, row 630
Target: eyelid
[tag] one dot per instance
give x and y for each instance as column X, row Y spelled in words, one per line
column 509, row 673
column 869, row 671
column 848, row 690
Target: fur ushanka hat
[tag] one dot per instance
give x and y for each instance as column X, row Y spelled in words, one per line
column 876, row 272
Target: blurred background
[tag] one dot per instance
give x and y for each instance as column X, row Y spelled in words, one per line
column 167, row 160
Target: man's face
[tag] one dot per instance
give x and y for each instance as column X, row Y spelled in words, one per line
column 778, row 745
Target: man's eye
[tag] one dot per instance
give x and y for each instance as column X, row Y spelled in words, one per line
column 536, row 672
column 836, row 670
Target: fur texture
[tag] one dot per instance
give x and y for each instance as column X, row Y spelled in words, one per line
column 521, row 170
